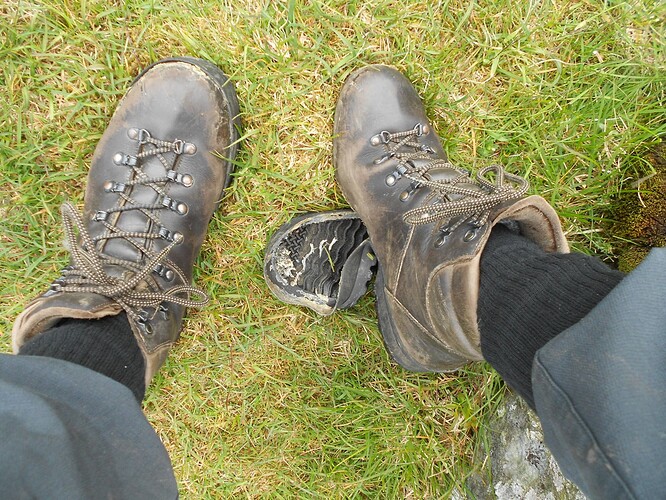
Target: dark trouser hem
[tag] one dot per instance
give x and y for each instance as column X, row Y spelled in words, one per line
column 69, row 432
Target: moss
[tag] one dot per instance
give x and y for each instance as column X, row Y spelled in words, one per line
column 640, row 217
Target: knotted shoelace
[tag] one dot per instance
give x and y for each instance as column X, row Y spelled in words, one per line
column 406, row 149
column 86, row 272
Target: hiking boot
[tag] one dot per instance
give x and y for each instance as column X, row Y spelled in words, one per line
column 428, row 221
column 156, row 178
column 320, row 260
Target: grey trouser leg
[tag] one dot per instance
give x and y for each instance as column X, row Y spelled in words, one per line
column 69, row 432
column 600, row 390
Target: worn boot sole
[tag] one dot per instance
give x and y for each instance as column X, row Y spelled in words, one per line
column 320, row 260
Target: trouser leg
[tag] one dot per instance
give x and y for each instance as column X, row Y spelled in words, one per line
column 70, row 432
column 72, row 410
column 528, row 296
column 600, row 390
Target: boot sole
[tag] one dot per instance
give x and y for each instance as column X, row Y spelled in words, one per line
column 305, row 258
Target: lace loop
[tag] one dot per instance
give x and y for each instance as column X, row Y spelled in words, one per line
column 87, row 274
column 457, row 197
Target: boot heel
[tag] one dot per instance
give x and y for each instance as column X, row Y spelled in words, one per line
column 399, row 344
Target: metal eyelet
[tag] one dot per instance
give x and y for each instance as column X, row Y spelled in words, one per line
column 384, row 137
column 392, row 178
column 381, row 160
column 185, row 179
column 100, row 216
column 164, row 272
column 114, row 187
column 165, row 234
column 179, row 207
column 441, row 238
column 404, row 196
column 421, row 129
column 123, row 159
column 143, row 323
column 182, row 208
column 143, row 136
column 470, row 235
column 164, row 311
column 178, row 146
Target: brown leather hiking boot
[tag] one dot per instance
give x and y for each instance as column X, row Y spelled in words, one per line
column 428, row 221
column 156, row 178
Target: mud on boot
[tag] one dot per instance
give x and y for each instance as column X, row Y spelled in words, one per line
column 428, row 220
column 156, row 178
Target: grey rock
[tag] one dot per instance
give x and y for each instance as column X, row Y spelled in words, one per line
column 521, row 467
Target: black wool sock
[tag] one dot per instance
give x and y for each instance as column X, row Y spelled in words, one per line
column 528, row 296
column 104, row 345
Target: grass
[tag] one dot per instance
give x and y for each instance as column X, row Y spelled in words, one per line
column 263, row 399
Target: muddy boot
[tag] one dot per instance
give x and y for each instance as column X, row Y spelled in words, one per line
column 156, row 178
column 428, row 221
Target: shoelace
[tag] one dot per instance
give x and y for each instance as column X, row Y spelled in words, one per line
column 406, row 148
column 86, row 272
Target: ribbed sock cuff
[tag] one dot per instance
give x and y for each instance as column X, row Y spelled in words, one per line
column 528, row 296
column 106, row 345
